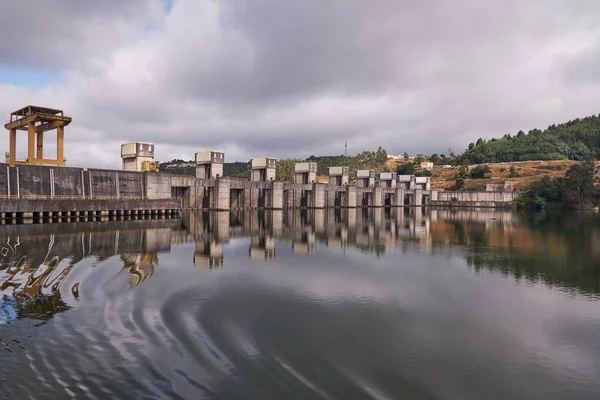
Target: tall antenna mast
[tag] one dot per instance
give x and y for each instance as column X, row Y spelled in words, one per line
column 346, row 150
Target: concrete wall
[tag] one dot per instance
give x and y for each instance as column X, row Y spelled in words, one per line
column 503, row 197
column 157, row 185
column 131, row 185
column 104, row 182
column 474, row 199
column 34, row 180
column 54, row 183
column 49, row 181
column 68, row 181
column 4, row 171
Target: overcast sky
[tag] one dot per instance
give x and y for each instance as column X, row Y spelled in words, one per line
column 291, row 78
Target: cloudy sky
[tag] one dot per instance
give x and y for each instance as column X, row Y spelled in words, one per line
column 291, row 78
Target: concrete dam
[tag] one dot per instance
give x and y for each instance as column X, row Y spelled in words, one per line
column 36, row 191
column 32, row 189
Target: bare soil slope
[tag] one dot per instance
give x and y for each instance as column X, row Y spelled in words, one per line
column 528, row 171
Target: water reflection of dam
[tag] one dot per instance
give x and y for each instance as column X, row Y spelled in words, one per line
column 36, row 260
column 372, row 230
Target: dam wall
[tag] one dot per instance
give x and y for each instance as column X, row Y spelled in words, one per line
column 474, row 199
column 30, row 181
column 30, row 191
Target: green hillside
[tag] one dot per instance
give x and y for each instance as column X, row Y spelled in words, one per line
column 285, row 167
column 578, row 140
column 233, row 169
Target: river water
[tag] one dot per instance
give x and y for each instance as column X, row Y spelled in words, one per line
column 377, row 304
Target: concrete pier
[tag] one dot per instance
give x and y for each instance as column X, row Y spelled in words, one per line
column 351, row 196
column 377, row 197
column 318, row 193
column 418, row 196
column 222, row 194
column 277, row 195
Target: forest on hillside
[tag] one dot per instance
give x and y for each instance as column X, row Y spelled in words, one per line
column 365, row 160
column 577, row 140
column 234, row 169
column 285, row 167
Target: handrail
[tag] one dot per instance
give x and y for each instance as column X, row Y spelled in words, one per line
column 68, row 197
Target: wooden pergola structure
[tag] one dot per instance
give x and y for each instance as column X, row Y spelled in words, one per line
column 37, row 120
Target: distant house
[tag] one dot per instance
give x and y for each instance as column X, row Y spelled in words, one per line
column 427, row 165
column 395, row 157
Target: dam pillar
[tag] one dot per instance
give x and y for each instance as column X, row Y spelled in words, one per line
column 351, row 196
column 377, row 196
column 418, row 197
column 254, row 194
column 331, row 196
column 318, row 195
column 276, row 195
column 247, row 197
column 399, row 197
column 222, row 194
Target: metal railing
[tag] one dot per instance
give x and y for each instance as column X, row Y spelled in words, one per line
column 68, row 197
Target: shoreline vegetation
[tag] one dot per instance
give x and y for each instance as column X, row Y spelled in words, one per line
column 578, row 189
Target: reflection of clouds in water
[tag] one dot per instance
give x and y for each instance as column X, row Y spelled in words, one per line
column 346, row 322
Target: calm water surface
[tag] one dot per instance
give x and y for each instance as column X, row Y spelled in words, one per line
column 428, row 304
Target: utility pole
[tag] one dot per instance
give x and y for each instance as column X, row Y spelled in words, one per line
column 346, row 150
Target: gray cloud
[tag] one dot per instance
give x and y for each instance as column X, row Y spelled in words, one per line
column 54, row 34
column 295, row 78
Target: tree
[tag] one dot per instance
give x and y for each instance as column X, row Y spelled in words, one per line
column 479, row 171
column 381, row 155
column 459, row 183
column 513, row 172
column 576, row 189
column 579, row 184
column 434, row 158
column 405, row 155
column 423, row 172
column 406, row 169
column 471, row 145
column 479, row 142
column 462, row 172
column 285, row 170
